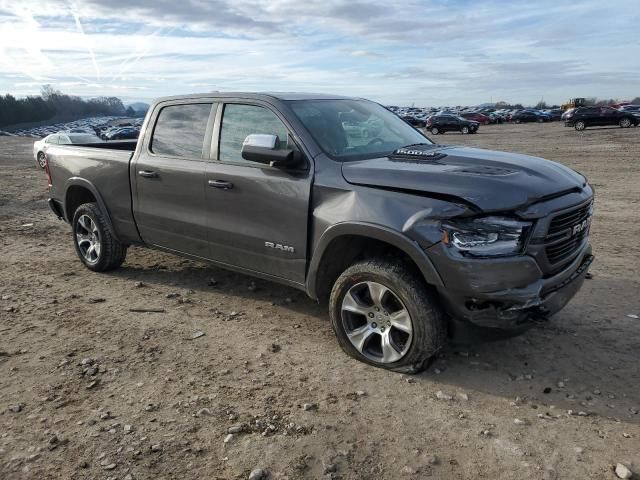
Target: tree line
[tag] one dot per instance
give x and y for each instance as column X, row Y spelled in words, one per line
column 53, row 103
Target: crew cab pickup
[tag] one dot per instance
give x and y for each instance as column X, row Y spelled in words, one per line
column 402, row 237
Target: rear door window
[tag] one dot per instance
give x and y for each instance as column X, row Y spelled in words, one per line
column 180, row 131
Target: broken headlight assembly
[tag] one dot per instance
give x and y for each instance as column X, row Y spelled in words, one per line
column 486, row 236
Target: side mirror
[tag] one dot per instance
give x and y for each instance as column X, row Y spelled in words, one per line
column 263, row 148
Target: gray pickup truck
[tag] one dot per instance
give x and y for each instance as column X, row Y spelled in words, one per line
column 340, row 198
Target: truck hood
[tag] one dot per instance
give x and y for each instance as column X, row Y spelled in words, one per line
column 490, row 180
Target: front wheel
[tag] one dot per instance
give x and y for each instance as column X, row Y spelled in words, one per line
column 580, row 125
column 95, row 245
column 465, row 130
column 435, row 130
column 625, row 123
column 385, row 315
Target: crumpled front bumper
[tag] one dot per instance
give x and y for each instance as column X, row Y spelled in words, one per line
column 519, row 307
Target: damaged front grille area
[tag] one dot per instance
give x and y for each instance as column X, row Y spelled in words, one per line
column 567, row 232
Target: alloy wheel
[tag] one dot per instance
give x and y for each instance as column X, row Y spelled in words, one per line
column 376, row 322
column 88, row 239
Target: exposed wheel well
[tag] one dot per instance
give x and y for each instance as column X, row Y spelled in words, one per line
column 76, row 196
column 348, row 249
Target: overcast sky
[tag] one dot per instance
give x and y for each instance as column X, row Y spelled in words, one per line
column 403, row 52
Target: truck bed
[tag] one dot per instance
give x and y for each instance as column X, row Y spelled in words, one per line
column 106, row 166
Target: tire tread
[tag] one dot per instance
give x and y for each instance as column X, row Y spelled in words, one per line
column 424, row 299
column 113, row 252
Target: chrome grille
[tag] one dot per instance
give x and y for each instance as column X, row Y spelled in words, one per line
column 561, row 240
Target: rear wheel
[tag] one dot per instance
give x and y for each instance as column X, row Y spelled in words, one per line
column 95, row 245
column 385, row 315
column 41, row 160
column 580, row 125
column 465, row 130
column 625, row 123
column 435, row 130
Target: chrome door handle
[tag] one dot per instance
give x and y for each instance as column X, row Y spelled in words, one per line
column 147, row 174
column 224, row 185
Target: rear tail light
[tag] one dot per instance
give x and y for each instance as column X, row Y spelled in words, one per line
column 46, row 168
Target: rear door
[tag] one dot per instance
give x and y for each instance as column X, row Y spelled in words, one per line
column 169, row 187
column 257, row 214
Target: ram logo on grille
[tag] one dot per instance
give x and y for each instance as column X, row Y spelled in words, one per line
column 579, row 227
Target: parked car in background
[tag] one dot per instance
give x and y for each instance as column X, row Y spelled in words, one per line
column 124, row 133
column 555, row 113
column 495, row 117
column 526, row 116
column 583, row 117
column 413, row 120
column 542, row 116
column 451, row 123
column 476, row 117
column 62, row 138
column 632, row 109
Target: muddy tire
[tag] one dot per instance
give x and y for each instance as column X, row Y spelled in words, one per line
column 95, row 245
column 385, row 315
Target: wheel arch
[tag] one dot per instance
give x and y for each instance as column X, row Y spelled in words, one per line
column 78, row 191
column 343, row 243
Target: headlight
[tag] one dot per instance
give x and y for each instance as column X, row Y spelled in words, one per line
column 486, row 236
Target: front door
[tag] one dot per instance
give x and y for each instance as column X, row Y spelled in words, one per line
column 257, row 214
column 169, row 188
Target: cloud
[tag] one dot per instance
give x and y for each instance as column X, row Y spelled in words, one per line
column 434, row 53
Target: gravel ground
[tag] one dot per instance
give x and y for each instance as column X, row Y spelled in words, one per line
column 91, row 390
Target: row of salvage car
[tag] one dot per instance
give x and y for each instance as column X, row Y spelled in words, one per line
column 469, row 120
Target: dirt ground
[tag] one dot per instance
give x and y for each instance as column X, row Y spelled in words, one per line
column 91, row 390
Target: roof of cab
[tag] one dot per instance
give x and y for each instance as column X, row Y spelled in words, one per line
column 258, row 96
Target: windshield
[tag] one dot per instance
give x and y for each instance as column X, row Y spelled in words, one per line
column 355, row 129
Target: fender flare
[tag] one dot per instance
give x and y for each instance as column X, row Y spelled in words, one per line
column 84, row 183
column 377, row 232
